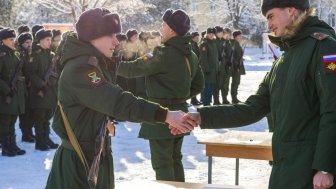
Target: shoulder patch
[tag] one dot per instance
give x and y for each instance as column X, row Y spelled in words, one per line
column 319, row 36
column 93, row 61
column 95, row 79
column 329, row 63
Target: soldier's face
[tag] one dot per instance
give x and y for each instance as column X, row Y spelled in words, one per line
column 27, row 44
column 166, row 32
column 9, row 42
column 278, row 19
column 106, row 44
column 196, row 39
column 45, row 43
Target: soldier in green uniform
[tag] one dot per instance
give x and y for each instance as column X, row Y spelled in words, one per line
column 209, row 63
column 24, row 43
column 12, row 89
column 299, row 92
column 43, row 97
column 87, row 96
column 219, row 42
column 195, row 38
column 173, row 75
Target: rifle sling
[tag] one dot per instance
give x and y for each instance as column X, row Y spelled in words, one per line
column 73, row 140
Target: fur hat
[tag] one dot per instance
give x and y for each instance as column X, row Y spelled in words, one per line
column 194, row 34
column 219, row 29
column 121, row 37
column 36, row 28
column 42, row 33
column 23, row 37
column 56, row 33
column 177, row 20
column 211, row 30
column 270, row 4
column 97, row 22
column 236, row 33
column 7, row 33
column 130, row 33
column 23, row 29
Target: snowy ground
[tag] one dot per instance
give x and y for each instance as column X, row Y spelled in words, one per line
column 132, row 157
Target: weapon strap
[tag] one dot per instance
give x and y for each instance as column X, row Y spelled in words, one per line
column 73, row 139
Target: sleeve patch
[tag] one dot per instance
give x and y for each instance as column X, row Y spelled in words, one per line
column 329, row 63
column 94, row 79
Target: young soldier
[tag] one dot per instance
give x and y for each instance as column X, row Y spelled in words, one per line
column 24, row 43
column 194, row 45
column 87, row 97
column 172, row 76
column 43, row 97
column 299, row 92
column 12, row 91
column 209, row 62
column 219, row 43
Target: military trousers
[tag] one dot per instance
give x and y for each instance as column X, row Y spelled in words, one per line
column 207, row 93
column 7, row 125
column 225, row 82
column 41, row 120
column 26, row 120
column 166, row 158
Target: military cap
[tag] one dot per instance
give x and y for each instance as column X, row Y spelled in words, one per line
column 121, row 37
column 270, row 4
column 130, row 33
column 42, row 33
column 7, row 33
column 97, row 22
column 23, row 37
column 177, row 20
column 219, row 29
column 36, row 28
column 23, row 29
column 211, row 30
column 236, row 33
column 194, row 34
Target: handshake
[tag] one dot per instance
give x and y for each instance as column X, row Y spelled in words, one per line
column 180, row 122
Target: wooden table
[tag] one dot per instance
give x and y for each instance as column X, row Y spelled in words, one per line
column 146, row 184
column 238, row 144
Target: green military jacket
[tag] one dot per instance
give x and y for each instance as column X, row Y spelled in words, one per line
column 237, row 59
column 300, row 94
column 88, row 96
column 219, row 43
column 9, row 65
column 168, row 76
column 195, row 48
column 38, row 67
column 209, row 60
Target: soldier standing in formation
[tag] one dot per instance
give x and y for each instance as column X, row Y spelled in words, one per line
column 219, row 43
column 173, row 75
column 43, row 97
column 12, row 92
column 195, row 39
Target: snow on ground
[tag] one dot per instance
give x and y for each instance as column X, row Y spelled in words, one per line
column 132, row 156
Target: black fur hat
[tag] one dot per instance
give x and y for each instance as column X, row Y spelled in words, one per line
column 23, row 29
column 177, row 20
column 7, row 33
column 42, row 33
column 23, row 37
column 130, row 33
column 97, row 22
column 270, row 4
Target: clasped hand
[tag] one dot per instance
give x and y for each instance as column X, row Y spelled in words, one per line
column 180, row 122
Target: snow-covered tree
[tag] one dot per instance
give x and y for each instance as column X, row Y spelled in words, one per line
column 5, row 10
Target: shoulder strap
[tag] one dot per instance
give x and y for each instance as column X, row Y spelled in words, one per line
column 73, row 139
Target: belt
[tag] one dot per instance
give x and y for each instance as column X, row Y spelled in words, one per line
column 166, row 101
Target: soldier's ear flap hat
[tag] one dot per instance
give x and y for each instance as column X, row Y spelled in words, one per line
column 270, row 4
column 236, row 33
column 42, row 33
column 177, row 20
column 36, row 28
column 97, row 22
column 211, row 30
column 23, row 37
column 130, row 33
column 7, row 33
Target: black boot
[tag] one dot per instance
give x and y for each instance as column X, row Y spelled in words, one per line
column 225, row 101
column 40, row 143
column 51, row 143
column 6, row 147
column 235, row 100
column 18, row 150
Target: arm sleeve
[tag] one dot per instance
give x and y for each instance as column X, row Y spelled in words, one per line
column 32, row 72
column 325, row 153
column 197, row 82
column 4, row 88
column 228, row 116
column 91, row 90
column 203, row 60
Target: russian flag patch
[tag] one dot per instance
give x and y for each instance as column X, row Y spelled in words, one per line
column 329, row 63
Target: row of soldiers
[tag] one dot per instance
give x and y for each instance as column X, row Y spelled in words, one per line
column 221, row 57
column 28, row 86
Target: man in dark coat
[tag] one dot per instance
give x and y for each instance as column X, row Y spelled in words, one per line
column 299, row 92
column 88, row 97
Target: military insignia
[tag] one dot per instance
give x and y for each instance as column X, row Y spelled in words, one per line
column 329, row 63
column 95, row 80
column 319, row 36
column 147, row 57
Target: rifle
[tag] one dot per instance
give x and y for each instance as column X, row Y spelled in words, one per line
column 99, row 146
column 16, row 78
column 50, row 73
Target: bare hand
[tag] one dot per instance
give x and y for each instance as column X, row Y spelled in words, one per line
column 323, row 181
column 191, row 118
column 178, row 122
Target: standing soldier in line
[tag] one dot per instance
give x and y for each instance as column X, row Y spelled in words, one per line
column 209, row 62
column 219, row 42
column 24, row 43
column 173, row 75
column 12, row 89
column 56, row 39
column 43, row 98
column 119, row 53
column 90, row 98
column 194, row 45
column 237, row 62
